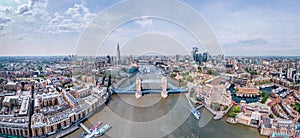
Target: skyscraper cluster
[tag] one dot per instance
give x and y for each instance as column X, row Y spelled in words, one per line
column 199, row 57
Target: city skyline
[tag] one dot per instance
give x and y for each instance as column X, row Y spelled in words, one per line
column 149, row 68
column 42, row 27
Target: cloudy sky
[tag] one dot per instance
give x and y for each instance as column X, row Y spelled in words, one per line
column 54, row 27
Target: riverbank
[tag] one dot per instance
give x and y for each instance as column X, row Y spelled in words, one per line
column 122, row 115
column 75, row 126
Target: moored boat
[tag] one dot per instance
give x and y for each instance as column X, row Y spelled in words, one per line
column 195, row 113
column 96, row 125
column 104, row 129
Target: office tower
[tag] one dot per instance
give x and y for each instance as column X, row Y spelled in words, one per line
column 194, row 52
column 205, row 57
column 108, row 61
column 118, row 55
column 198, row 57
column 177, row 58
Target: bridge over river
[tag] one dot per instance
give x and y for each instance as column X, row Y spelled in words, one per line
column 152, row 82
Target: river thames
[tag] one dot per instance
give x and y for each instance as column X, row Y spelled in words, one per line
column 152, row 116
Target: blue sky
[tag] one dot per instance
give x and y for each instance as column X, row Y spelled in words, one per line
column 54, row 27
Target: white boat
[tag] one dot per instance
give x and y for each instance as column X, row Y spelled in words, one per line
column 97, row 132
column 104, row 129
column 193, row 109
column 195, row 113
column 217, row 117
column 284, row 94
column 96, row 125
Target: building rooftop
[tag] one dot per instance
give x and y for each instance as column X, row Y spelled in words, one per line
column 248, row 91
column 24, row 106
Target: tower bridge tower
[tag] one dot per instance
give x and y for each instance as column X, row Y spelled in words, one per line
column 164, row 92
column 138, row 87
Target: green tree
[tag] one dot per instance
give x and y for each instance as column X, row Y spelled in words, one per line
column 253, row 72
column 68, row 75
column 271, row 116
column 173, row 75
column 40, row 68
column 190, row 79
column 236, row 109
column 232, row 115
column 296, row 107
column 199, row 69
column 225, row 108
column 216, row 107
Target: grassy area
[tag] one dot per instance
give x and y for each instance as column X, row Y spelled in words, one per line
column 262, row 83
column 192, row 91
column 265, row 97
column 213, row 72
column 182, row 82
column 190, row 79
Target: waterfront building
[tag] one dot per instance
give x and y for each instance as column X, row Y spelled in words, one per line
column 48, row 125
column 270, row 127
column 215, row 97
column 248, row 91
column 252, row 113
column 261, row 80
column 15, row 126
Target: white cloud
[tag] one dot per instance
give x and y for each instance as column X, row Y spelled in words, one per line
column 144, row 22
column 23, row 9
column 248, row 24
column 74, row 19
column 32, row 7
column 20, row 17
column 6, row 10
column 84, row 2
column 4, row 20
column 17, row 1
column 3, row 23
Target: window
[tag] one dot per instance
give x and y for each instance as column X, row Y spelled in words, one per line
column 36, row 132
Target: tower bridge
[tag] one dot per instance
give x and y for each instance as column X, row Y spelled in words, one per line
column 148, row 82
column 148, row 86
